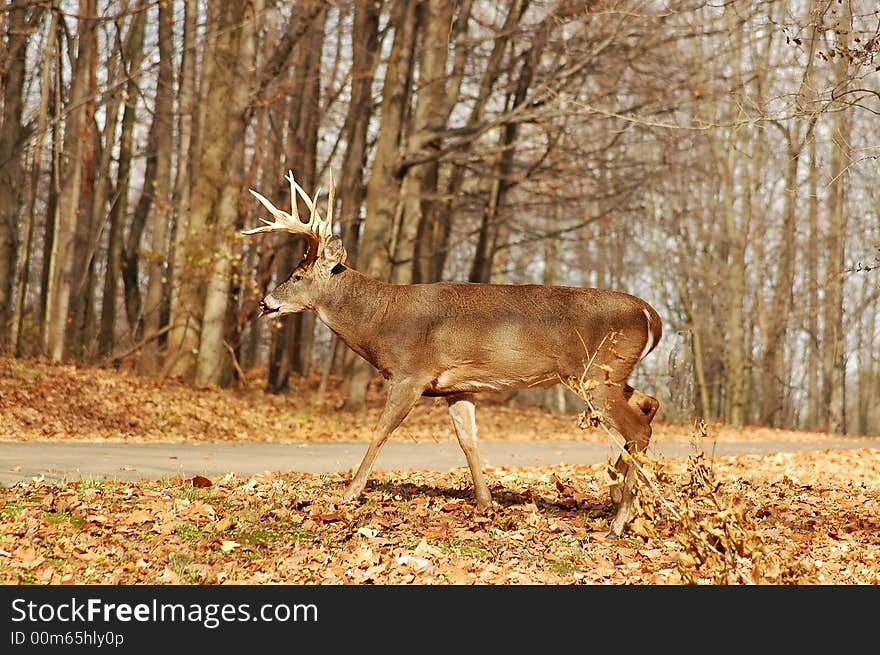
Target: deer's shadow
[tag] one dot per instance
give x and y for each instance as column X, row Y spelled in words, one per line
column 595, row 506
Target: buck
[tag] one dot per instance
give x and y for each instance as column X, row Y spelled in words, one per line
column 454, row 340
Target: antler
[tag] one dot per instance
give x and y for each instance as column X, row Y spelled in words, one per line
column 317, row 231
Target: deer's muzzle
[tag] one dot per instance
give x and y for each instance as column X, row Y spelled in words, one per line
column 265, row 309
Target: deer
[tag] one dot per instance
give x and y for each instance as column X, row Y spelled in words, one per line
column 453, row 340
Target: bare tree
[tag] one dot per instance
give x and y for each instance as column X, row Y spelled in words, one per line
column 291, row 343
column 17, row 23
column 63, row 265
column 46, row 79
column 187, row 127
column 382, row 191
column 834, row 337
column 228, row 98
column 365, row 55
column 132, row 56
column 418, row 190
column 158, row 256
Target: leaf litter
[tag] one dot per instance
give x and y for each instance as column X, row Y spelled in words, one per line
column 789, row 518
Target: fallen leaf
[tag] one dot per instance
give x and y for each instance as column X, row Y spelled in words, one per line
column 223, row 524
column 139, row 516
column 416, row 563
column 27, row 558
column 328, row 517
column 439, row 532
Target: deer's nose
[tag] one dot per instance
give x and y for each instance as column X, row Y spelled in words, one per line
column 266, row 309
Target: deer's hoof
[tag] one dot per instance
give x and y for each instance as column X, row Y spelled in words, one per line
column 616, row 493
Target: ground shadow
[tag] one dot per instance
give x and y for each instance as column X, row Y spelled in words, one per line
column 594, row 506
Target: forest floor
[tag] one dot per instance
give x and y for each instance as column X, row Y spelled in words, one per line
column 782, row 518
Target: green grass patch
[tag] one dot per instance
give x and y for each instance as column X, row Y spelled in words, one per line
column 296, row 532
column 257, row 537
column 462, row 548
column 284, row 533
column 164, row 483
column 12, row 510
column 22, row 371
column 197, row 493
column 57, row 518
column 563, row 567
column 179, row 563
column 189, row 532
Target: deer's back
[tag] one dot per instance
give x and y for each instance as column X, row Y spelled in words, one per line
column 474, row 337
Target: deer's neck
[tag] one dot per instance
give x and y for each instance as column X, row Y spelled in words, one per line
column 353, row 308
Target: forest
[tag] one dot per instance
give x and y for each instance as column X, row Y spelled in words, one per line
column 718, row 159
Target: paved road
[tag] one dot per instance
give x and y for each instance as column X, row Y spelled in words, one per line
column 125, row 461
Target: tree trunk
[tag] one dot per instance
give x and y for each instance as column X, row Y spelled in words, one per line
column 263, row 253
column 210, row 149
column 735, row 239
column 491, row 73
column 774, row 329
column 869, row 387
column 234, row 58
column 291, row 344
column 384, row 186
column 242, row 330
column 700, row 373
column 12, row 157
column 133, row 50
column 365, row 54
column 383, row 189
column 68, row 204
column 814, row 359
column 490, row 236
column 735, row 370
column 42, row 122
column 418, row 193
column 101, row 196
column 158, row 257
column 834, row 341
column 428, row 207
column 181, row 203
column 81, row 323
column 131, row 252
column 203, row 253
column 47, row 272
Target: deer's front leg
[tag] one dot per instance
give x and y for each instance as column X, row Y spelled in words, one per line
column 401, row 397
column 464, row 419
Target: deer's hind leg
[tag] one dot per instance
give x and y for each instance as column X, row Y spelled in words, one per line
column 647, row 406
column 464, row 420
column 631, row 415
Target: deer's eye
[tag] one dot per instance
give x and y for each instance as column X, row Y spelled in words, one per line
column 297, row 277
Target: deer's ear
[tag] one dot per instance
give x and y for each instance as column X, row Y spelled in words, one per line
column 334, row 251
column 334, row 254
